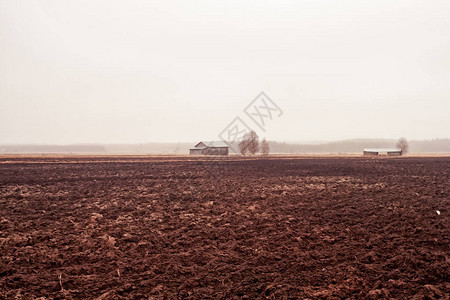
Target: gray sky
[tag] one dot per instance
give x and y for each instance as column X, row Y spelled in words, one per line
column 168, row 71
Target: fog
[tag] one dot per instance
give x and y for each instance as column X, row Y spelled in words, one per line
column 177, row 71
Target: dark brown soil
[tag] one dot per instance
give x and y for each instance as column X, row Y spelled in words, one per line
column 181, row 227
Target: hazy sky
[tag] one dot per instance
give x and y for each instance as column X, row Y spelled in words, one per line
column 166, row 71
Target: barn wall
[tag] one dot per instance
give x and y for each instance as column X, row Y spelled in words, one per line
column 216, row 151
column 209, row 151
column 370, row 153
column 394, row 153
column 195, row 152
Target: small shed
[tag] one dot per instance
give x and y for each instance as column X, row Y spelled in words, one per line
column 210, row 148
column 383, row 151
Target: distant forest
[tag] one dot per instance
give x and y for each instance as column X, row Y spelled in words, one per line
column 357, row 146
column 345, row 146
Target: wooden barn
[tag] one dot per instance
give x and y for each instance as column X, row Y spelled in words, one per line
column 383, row 151
column 210, row 148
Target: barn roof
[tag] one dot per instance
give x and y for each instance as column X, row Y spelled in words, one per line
column 382, row 150
column 198, row 148
column 211, row 144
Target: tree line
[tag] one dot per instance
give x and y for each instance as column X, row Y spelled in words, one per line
column 250, row 145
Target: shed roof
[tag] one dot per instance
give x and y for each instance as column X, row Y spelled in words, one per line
column 211, row 144
column 198, row 148
column 382, row 150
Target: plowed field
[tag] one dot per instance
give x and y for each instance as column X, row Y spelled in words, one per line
column 183, row 227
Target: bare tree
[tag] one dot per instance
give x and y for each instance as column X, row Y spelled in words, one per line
column 253, row 142
column 243, row 146
column 265, row 147
column 403, row 145
column 249, row 143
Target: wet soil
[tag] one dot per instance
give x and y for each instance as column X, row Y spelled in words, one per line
column 224, row 228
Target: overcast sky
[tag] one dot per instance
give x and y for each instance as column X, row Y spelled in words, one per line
column 168, row 71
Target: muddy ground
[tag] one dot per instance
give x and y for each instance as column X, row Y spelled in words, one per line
column 183, row 227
